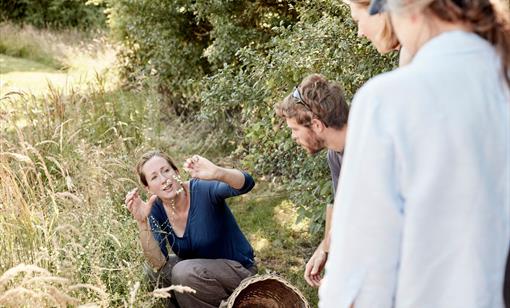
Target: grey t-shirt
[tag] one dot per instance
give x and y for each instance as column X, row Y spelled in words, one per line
column 335, row 164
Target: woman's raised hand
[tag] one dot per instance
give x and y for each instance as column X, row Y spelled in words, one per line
column 201, row 168
column 139, row 209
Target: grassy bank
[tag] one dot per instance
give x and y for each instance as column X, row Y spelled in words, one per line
column 66, row 162
column 31, row 59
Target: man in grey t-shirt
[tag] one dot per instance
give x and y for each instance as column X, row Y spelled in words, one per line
column 317, row 113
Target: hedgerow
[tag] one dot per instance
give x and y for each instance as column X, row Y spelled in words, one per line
column 230, row 62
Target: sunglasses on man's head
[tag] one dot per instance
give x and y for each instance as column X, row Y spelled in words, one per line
column 296, row 94
column 299, row 99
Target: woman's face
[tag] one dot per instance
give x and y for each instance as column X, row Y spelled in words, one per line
column 369, row 26
column 161, row 178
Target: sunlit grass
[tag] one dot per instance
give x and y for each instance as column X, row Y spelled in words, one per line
column 66, row 161
column 31, row 59
column 12, row 64
column 63, row 177
column 281, row 246
column 22, row 75
column 30, row 43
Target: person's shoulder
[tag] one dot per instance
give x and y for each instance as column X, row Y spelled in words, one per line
column 389, row 84
column 388, row 90
column 199, row 186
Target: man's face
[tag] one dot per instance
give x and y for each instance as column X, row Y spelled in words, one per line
column 305, row 137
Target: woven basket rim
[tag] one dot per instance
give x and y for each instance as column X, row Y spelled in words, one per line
column 257, row 278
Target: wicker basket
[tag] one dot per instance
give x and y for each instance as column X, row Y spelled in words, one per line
column 266, row 291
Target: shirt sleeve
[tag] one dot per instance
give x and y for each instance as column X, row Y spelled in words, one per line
column 334, row 169
column 221, row 191
column 366, row 229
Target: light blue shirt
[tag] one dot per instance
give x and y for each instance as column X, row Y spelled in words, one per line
column 422, row 213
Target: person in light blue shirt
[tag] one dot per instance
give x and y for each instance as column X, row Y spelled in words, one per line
column 422, row 217
column 506, row 286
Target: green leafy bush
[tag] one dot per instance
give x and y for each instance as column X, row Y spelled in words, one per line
column 80, row 14
column 182, row 42
column 228, row 63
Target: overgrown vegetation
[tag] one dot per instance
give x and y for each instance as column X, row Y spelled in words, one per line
column 198, row 77
column 228, row 63
column 66, row 161
column 59, row 14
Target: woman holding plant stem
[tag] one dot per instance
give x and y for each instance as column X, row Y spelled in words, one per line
column 212, row 255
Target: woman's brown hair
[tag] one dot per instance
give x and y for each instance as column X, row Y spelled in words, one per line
column 145, row 158
column 487, row 18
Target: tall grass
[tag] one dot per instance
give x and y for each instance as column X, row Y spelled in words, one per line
column 69, row 50
column 65, row 164
column 30, row 43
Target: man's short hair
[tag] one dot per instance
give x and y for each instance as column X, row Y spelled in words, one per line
column 315, row 97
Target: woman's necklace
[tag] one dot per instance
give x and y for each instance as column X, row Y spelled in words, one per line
column 172, row 209
column 172, row 205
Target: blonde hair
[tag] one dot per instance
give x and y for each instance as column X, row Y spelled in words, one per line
column 387, row 35
column 487, row 18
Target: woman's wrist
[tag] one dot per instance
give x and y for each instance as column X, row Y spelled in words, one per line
column 219, row 174
column 143, row 225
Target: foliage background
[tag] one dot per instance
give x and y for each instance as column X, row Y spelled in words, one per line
column 197, row 77
column 230, row 62
column 60, row 14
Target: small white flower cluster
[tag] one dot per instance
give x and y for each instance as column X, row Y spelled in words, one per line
column 179, row 180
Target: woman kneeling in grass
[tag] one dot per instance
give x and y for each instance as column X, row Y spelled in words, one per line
column 212, row 255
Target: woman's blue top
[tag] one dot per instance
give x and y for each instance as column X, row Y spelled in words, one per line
column 211, row 230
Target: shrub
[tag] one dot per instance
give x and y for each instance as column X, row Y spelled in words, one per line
column 228, row 63
column 54, row 13
column 243, row 94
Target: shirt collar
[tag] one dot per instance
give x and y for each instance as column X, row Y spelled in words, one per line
column 448, row 43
